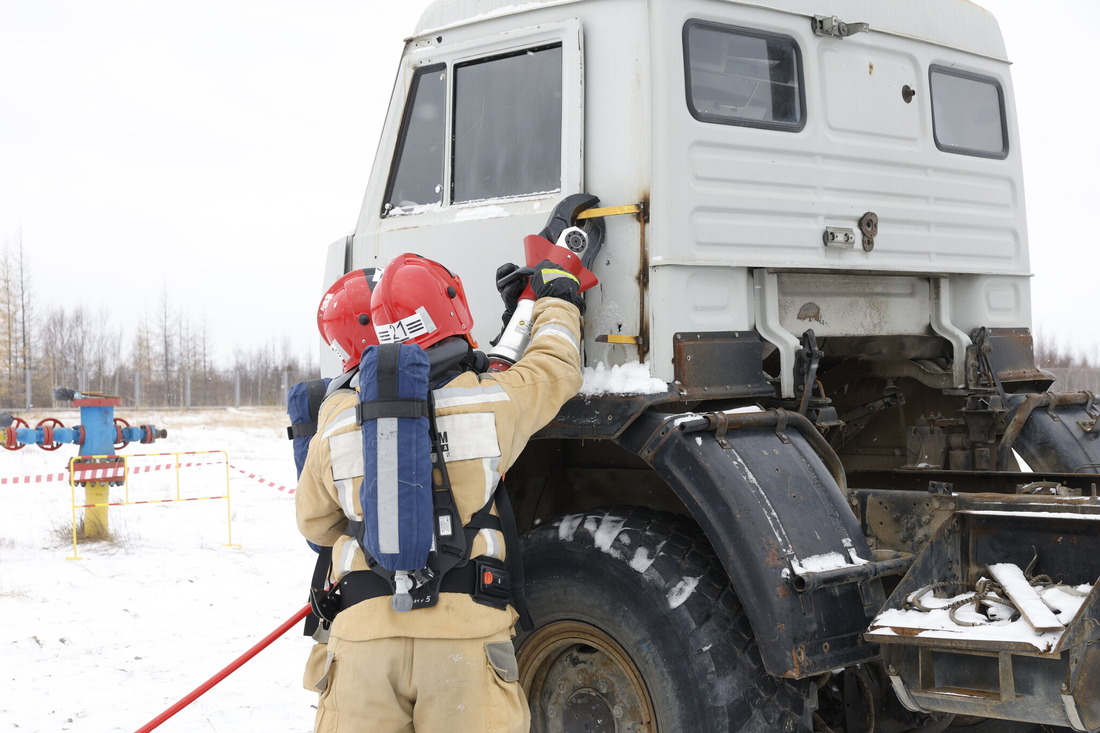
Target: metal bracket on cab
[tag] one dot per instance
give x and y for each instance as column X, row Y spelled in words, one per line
column 830, row 25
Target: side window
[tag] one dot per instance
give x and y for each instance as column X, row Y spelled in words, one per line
column 507, row 125
column 968, row 113
column 416, row 177
column 738, row 76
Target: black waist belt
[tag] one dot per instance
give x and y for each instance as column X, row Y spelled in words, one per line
column 363, row 585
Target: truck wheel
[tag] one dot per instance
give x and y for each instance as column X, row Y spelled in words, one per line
column 638, row 630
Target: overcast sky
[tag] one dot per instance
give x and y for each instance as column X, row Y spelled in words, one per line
column 212, row 149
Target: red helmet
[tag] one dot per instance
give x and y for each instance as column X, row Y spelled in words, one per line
column 343, row 316
column 421, row 302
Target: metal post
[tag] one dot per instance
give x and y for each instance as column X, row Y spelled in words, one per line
column 96, row 496
column 97, row 415
column 228, row 506
column 27, row 387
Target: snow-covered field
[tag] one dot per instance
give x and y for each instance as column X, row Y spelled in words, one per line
column 108, row 642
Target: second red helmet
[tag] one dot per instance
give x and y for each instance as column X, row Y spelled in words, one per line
column 344, row 315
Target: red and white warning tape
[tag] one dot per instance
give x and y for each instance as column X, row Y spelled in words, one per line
column 147, row 501
column 114, row 472
column 43, row 478
column 263, row 480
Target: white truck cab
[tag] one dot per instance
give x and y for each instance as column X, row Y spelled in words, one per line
column 827, row 264
column 763, row 137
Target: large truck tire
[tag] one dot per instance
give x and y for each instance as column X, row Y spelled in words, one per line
column 636, row 629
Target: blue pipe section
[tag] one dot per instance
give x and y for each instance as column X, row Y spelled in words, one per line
column 133, row 434
column 97, row 433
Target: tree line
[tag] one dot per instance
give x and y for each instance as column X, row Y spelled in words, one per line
column 167, row 360
column 1074, row 369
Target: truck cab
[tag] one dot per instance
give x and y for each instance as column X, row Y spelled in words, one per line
column 825, row 262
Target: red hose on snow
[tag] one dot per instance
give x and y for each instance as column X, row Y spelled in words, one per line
column 233, row 667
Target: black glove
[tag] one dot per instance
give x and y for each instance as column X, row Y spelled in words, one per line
column 509, row 287
column 553, row 281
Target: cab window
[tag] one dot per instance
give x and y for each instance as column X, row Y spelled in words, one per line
column 416, row 178
column 506, row 131
column 739, row 76
column 507, row 125
column 968, row 113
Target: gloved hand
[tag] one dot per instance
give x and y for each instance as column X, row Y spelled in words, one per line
column 509, row 288
column 553, row 281
column 511, row 281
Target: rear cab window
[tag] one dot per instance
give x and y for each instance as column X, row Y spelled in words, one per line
column 968, row 113
column 740, row 76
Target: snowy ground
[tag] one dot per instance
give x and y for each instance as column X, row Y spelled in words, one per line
column 107, row 642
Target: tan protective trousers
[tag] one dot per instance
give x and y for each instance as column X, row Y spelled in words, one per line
column 401, row 685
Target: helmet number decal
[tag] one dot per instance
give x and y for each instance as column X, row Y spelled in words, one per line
column 339, row 350
column 409, row 327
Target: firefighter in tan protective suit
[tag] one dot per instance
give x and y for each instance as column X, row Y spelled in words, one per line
column 449, row 667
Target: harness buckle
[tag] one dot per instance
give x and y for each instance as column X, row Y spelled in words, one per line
column 492, row 583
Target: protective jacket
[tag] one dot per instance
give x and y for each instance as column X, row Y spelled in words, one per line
column 484, row 421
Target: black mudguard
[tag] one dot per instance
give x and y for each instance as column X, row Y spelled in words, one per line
column 1054, row 432
column 772, row 507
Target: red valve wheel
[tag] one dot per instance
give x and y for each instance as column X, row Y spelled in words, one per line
column 47, row 425
column 119, row 425
column 12, row 443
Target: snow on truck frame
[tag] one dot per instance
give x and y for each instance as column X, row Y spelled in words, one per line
column 821, row 518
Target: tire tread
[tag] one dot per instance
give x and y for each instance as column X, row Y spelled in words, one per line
column 743, row 697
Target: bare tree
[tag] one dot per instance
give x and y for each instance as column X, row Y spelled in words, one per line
column 141, row 349
column 205, row 346
column 7, row 307
column 165, row 343
column 103, row 360
column 56, row 355
column 8, row 320
column 1051, row 353
column 141, row 357
column 24, row 312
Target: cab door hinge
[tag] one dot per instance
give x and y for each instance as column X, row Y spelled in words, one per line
column 830, row 25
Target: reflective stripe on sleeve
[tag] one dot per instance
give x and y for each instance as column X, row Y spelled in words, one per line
column 492, row 477
column 348, row 489
column 460, row 396
column 553, row 329
column 347, row 556
column 492, row 545
column 342, row 420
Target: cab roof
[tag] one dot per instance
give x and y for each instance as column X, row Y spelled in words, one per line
column 959, row 24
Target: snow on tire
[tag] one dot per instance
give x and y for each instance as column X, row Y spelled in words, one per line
column 638, row 630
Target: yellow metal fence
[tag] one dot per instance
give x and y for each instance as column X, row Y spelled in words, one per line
column 97, row 473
